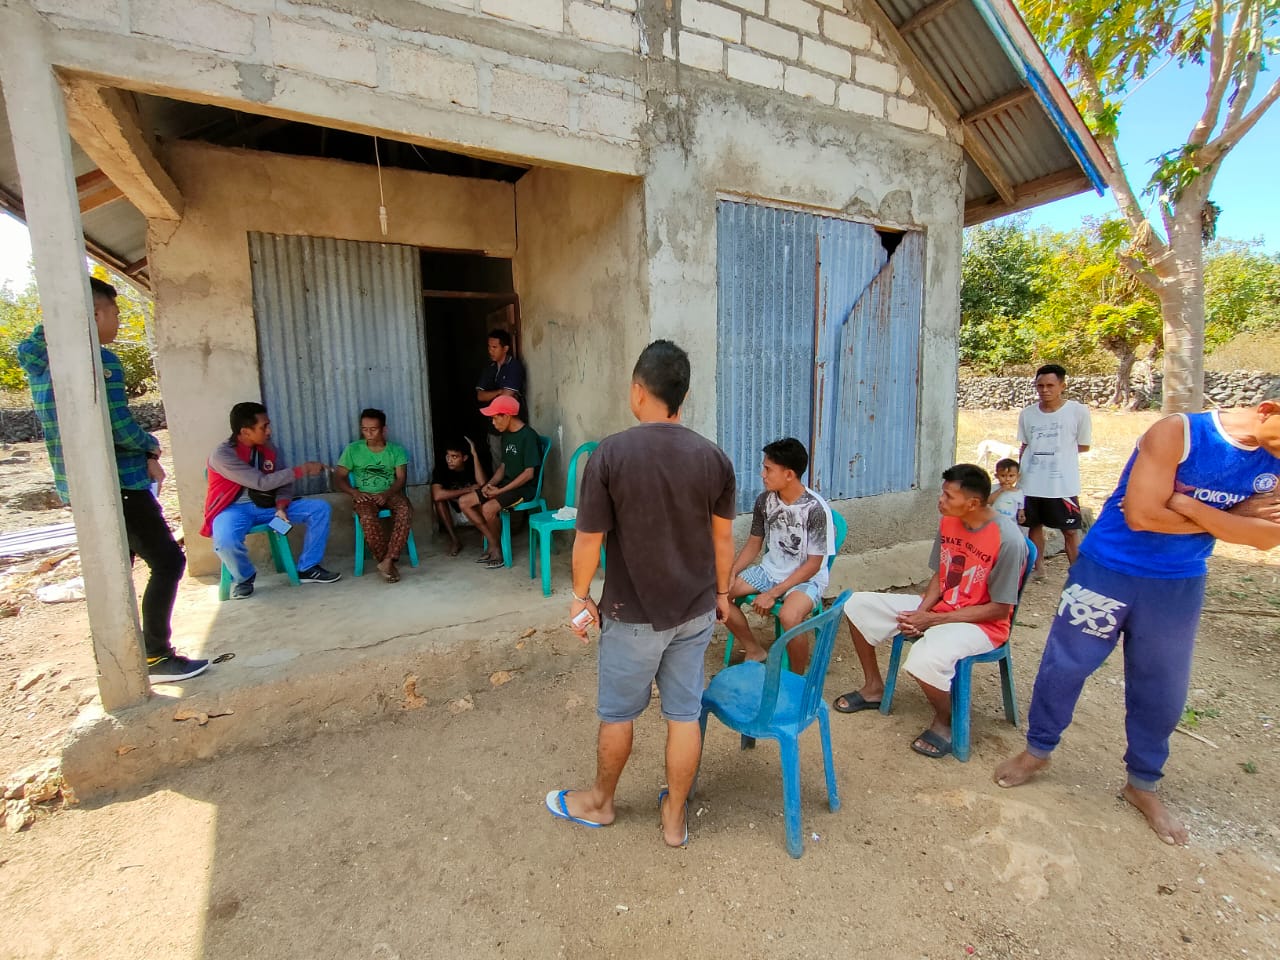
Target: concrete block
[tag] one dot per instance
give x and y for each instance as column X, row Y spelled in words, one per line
column 936, row 126
column 711, row 18
column 705, row 53
column 612, row 27
column 544, row 14
column 324, row 52
column 841, row 29
column 753, row 68
column 423, row 74
column 795, row 13
column 806, row 83
column 834, row 4
column 883, row 569
column 823, row 56
column 875, row 73
column 751, row 6
column 771, row 38
column 611, row 116
column 197, row 22
column 906, row 114
column 858, row 99
column 628, row 5
column 109, row 13
column 906, row 87
column 529, row 98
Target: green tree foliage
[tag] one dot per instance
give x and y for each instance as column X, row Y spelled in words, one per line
column 1107, row 46
column 1000, row 272
column 20, row 312
column 1242, row 291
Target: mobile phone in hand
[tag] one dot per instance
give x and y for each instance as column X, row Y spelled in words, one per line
column 280, row 526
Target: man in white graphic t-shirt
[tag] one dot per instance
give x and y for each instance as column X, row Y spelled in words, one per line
column 794, row 526
column 1053, row 433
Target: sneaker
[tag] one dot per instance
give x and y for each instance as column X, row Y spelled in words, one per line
column 242, row 590
column 175, row 668
column 318, row 574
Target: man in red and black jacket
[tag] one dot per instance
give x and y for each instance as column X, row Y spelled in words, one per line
column 249, row 484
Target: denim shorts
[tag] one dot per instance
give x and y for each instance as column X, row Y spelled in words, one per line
column 633, row 655
column 763, row 583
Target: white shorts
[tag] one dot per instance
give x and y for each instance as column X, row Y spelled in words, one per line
column 932, row 658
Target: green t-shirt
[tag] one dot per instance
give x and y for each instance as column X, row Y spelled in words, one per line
column 521, row 450
column 373, row 472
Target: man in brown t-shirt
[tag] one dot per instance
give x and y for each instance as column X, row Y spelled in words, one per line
column 664, row 496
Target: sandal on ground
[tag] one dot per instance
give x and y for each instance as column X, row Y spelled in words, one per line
column 939, row 747
column 854, row 702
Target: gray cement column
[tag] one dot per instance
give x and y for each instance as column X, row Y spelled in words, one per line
column 37, row 120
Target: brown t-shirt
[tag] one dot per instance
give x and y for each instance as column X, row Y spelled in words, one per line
column 653, row 489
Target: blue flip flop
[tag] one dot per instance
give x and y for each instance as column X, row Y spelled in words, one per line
column 556, row 807
column 662, row 795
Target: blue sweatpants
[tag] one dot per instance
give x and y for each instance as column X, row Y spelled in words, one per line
column 1157, row 620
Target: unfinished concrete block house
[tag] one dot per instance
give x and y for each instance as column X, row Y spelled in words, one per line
column 333, row 200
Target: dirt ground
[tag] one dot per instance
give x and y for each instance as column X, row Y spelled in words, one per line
column 424, row 835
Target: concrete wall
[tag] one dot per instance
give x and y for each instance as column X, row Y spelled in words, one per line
column 719, row 138
column 579, row 270
column 206, row 339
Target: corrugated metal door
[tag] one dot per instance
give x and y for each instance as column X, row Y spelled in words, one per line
column 766, row 265
column 868, row 371
column 340, row 328
column 819, row 331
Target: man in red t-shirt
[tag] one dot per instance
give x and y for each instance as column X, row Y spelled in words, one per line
column 978, row 559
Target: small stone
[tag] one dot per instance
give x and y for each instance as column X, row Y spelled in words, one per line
column 622, row 908
column 33, row 676
column 1186, row 937
column 948, row 886
column 501, row 677
column 1166, row 889
column 461, row 705
column 18, row 815
column 411, row 699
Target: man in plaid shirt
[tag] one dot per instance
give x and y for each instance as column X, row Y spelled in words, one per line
column 138, row 464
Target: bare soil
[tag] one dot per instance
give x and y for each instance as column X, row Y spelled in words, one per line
column 425, row 835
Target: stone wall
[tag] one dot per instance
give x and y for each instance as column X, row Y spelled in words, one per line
column 1238, row 388
column 20, row 424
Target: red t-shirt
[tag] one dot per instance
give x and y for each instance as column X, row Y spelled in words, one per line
column 979, row 566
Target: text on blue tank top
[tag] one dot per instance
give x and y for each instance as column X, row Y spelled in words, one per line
column 1215, row 472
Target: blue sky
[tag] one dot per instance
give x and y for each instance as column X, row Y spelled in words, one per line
column 1157, row 116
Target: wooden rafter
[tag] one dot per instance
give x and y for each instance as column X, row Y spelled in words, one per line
column 1063, row 183
column 999, row 105
column 925, row 15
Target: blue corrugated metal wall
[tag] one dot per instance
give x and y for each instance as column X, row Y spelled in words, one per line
column 340, row 328
column 819, row 333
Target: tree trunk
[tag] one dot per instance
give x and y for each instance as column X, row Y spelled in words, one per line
column 1124, row 390
column 1182, row 305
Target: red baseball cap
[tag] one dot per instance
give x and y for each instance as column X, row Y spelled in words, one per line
column 502, row 404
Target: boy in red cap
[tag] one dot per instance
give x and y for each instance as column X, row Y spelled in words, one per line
column 513, row 482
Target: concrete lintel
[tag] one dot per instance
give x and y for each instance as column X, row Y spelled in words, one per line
column 156, row 67
column 105, row 123
column 42, row 148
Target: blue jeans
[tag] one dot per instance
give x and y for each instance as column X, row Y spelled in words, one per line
column 233, row 523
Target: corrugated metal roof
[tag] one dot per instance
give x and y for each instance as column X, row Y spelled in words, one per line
column 1018, row 120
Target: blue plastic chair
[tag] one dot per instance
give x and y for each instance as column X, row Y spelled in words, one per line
column 535, row 504
column 764, row 701
column 360, row 543
column 281, row 556
column 842, row 530
column 962, row 682
column 543, row 525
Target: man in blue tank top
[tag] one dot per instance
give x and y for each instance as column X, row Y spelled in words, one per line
column 1192, row 480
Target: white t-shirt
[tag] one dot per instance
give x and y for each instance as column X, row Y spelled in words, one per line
column 792, row 533
column 1051, row 462
column 1008, row 502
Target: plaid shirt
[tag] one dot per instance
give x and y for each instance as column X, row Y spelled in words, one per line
column 132, row 443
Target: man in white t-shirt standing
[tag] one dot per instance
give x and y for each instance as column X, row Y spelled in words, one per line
column 1053, row 433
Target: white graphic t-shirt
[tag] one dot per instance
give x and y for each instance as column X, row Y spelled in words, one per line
column 792, row 533
column 1008, row 502
column 1051, row 463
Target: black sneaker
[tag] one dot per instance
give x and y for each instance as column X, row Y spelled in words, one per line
column 175, row 668
column 242, row 590
column 318, row 574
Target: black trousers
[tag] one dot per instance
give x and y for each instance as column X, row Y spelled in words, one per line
column 150, row 539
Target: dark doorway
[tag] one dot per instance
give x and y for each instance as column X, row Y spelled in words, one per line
column 465, row 296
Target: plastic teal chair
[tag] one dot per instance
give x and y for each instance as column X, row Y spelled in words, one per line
column 764, row 701
column 535, row 504
column 962, row 682
column 281, row 556
column 409, row 544
column 543, row 525
column 842, row 530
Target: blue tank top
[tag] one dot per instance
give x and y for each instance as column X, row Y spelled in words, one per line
column 1215, row 470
